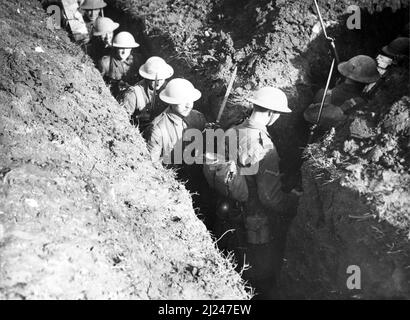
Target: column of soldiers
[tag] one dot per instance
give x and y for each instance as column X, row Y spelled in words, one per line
column 163, row 110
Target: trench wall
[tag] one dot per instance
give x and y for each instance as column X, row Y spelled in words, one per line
column 335, row 228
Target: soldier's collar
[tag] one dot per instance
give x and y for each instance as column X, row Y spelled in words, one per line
column 173, row 116
column 256, row 126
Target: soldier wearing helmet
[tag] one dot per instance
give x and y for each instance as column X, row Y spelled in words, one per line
column 398, row 49
column 359, row 71
column 167, row 129
column 119, row 68
column 102, row 38
column 139, row 100
column 170, row 134
column 267, row 208
column 92, row 10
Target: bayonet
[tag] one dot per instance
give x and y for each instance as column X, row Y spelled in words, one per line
column 331, row 40
column 228, row 92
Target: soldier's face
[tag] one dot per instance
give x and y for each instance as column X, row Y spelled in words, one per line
column 92, row 15
column 273, row 117
column 107, row 38
column 183, row 109
column 160, row 83
column 123, row 53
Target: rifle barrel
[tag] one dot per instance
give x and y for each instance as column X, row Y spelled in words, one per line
column 320, row 18
column 332, row 42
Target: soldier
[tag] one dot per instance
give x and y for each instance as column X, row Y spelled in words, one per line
column 267, row 210
column 101, row 41
column 398, row 49
column 167, row 141
column 139, row 100
column 168, row 128
column 118, row 68
column 92, row 10
column 359, row 71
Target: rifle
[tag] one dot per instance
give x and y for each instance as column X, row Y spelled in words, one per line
column 223, row 105
column 228, row 91
column 319, row 116
column 335, row 60
column 331, row 40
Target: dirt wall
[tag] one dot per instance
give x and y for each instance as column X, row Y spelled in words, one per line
column 336, row 228
column 355, row 210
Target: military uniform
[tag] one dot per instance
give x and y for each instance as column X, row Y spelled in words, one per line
column 255, row 148
column 167, row 131
column 165, row 143
column 359, row 71
column 115, row 69
column 268, row 210
column 138, row 100
column 84, row 39
column 97, row 49
column 340, row 94
column 338, row 100
column 118, row 74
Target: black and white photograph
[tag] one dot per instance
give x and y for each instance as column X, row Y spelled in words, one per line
column 204, row 156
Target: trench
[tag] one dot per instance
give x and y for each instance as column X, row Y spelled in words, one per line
column 377, row 30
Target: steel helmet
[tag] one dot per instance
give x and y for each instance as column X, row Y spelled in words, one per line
column 156, row 67
column 124, row 40
column 271, row 98
column 93, row 4
column 360, row 68
column 179, row 91
column 398, row 47
column 104, row 25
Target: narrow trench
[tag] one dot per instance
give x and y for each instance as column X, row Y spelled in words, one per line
column 205, row 200
column 378, row 31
